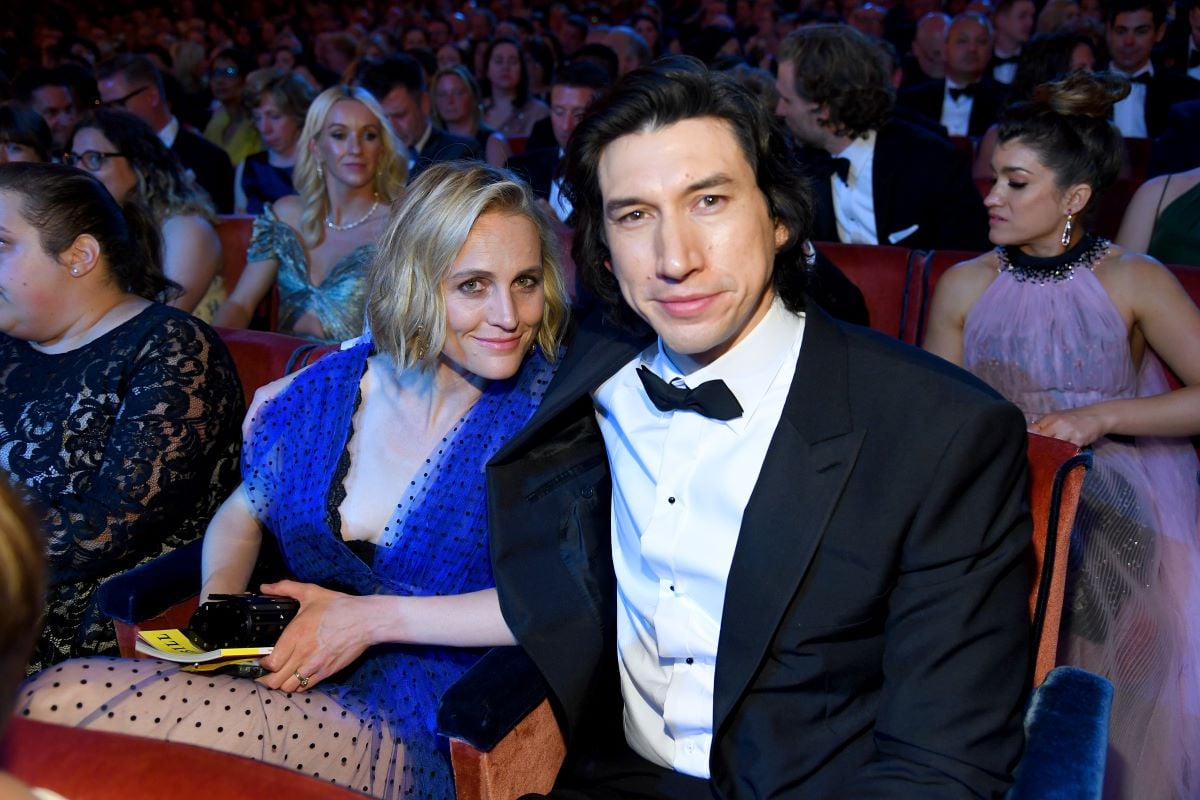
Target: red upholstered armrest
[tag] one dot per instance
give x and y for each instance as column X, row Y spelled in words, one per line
column 93, row 765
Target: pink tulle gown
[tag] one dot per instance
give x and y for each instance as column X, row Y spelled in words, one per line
column 1047, row 336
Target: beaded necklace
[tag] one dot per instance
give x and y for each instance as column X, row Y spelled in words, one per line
column 1054, row 269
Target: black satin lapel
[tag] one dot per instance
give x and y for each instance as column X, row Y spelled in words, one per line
column 785, row 519
column 594, row 353
column 882, row 184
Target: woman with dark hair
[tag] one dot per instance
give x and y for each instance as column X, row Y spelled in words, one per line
column 133, row 163
column 278, row 103
column 456, row 109
column 1070, row 327
column 118, row 415
column 24, row 135
column 393, row 577
column 507, row 104
column 1043, row 58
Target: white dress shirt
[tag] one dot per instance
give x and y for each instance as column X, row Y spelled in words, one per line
column 169, row 132
column 681, row 482
column 854, row 199
column 558, row 201
column 1129, row 114
column 956, row 114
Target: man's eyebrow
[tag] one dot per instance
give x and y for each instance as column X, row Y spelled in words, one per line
column 710, row 182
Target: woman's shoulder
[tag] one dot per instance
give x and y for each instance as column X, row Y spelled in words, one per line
column 191, row 227
column 287, row 210
column 535, row 109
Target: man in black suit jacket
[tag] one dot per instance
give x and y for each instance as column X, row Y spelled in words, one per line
column 967, row 101
column 398, row 83
column 575, row 87
column 132, row 83
column 888, row 182
column 801, row 577
column 1134, row 28
column 1175, row 150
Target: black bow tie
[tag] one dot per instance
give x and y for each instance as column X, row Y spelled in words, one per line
column 711, row 398
column 998, row 60
column 970, row 90
column 839, row 167
column 1143, row 79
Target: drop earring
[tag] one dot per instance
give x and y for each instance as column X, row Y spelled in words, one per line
column 320, row 171
column 420, row 348
column 1066, row 237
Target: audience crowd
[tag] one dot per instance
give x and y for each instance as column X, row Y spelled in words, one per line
column 368, row 141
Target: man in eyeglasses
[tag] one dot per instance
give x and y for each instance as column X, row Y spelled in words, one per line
column 132, row 83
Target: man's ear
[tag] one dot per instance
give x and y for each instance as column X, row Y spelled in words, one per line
column 82, row 256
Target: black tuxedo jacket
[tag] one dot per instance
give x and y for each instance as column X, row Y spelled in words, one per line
column 875, row 634
column 209, row 164
column 1164, row 90
column 924, row 196
column 1176, row 150
column 538, row 167
column 445, row 146
column 927, row 98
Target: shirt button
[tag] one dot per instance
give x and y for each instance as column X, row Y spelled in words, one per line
column 671, row 500
column 690, row 660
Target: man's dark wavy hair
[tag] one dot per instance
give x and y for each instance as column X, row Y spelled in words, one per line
column 672, row 90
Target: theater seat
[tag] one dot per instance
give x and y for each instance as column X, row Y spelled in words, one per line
column 888, row 278
column 234, row 231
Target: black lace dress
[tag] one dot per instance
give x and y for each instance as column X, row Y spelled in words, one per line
column 126, row 446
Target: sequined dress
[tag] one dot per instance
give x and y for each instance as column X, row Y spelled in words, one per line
column 338, row 301
column 1046, row 335
column 372, row 726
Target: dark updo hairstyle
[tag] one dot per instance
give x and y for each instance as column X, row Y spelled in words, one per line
column 64, row 203
column 22, row 125
column 672, row 90
column 1066, row 123
column 163, row 186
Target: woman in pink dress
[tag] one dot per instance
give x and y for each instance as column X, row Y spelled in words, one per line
column 1070, row 327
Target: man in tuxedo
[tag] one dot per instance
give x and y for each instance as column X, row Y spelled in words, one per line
column 1134, row 27
column 754, row 552
column 1013, row 22
column 877, row 180
column 967, row 101
column 927, row 61
column 398, row 83
column 1182, row 56
column 133, row 84
column 50, row 94
column 576, row 86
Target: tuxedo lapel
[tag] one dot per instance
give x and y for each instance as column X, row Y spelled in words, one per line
column 803, row 475
column 883, row 180
column 594, row 353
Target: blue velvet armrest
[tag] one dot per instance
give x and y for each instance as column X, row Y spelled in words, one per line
column 491, row 698
column 149, row 589
column 1066, row 738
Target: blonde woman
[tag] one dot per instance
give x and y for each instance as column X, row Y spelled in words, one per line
column 368, row 471
column 456, row 109
column 317, row 243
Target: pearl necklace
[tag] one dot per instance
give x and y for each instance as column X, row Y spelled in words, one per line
column 329, row 223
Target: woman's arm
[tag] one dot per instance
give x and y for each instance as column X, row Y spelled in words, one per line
column 955, row 295
column 256, row 281
column 1170, row 322
column 1138, row 223
column 191, row 257
column 498, row 150
column 333, row 629
column 231, row 546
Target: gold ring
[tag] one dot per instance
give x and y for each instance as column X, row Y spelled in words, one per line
column 303, row 680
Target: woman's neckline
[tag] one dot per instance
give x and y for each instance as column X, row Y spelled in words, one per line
column 1052, row 269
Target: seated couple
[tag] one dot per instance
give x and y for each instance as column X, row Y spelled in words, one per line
column 803, row 577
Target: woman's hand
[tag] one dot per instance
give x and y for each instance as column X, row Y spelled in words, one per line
column 330, row 631
column 1080, row 426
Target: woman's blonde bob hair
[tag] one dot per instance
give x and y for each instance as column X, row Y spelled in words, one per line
column 406, row 306
column 390, row 172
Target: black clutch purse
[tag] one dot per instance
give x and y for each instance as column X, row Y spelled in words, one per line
column 241, row 620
